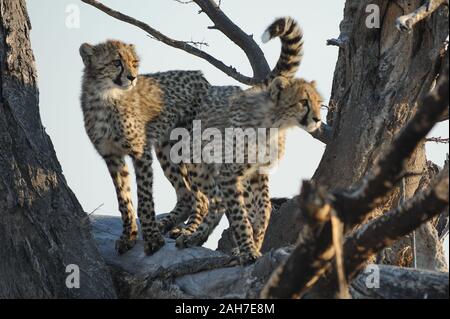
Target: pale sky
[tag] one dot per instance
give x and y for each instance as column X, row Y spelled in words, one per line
column 55, row 44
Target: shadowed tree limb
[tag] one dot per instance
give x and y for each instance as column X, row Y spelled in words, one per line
column 383, row 231
column 401, row 283
column 308, row 262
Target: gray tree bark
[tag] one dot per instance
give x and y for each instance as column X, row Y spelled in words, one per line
column 380, row 76
column 43, row 228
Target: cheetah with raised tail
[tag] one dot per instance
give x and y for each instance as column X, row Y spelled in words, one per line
column 291, row 36
column 240, row 188
column 126, row 114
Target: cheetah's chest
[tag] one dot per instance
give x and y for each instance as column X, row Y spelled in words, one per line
column 116, row 133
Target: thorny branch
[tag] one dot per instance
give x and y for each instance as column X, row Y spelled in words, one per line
column 308, row 263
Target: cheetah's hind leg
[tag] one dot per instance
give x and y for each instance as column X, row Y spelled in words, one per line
column 178, row 177
column 201, row 235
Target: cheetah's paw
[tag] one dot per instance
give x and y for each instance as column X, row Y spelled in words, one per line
column 165, row 225
column 191, row 240
column 154, row 244
column 245, row 259
column 179, row 231
column 124, row 244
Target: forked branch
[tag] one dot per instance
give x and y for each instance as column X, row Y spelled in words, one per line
column 384, row 231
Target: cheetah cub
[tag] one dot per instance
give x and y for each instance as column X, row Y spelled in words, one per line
column 286, row 103
column 126, row 114
column 291, row 36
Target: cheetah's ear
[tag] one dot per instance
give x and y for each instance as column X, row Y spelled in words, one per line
column 314, row 83
column 277, row 86
column 86, row 51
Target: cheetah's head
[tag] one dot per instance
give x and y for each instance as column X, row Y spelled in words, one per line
column 113, row 64
column 298, row 103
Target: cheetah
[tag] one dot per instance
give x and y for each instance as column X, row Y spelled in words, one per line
column 126, row 114
column 287, row 65
column 291, row 36
column 240, row 188
column 237, row 188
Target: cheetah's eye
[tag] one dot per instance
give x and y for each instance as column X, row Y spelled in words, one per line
column 117, row 63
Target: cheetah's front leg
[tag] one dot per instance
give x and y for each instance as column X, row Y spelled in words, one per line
column 153, row 240
column 262, row 207
column 119, row 173
column 237, row 214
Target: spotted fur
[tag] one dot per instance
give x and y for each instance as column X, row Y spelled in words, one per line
column 126, row 114
column 291, row 37
column 238, row 189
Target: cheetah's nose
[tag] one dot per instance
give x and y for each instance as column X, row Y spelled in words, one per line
column 316, row 119
column 131, row 78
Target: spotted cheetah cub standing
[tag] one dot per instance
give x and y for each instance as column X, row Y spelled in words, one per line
column 126, row 114
column 286, row 103
column 218, row 98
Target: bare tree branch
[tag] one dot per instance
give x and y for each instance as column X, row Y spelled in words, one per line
column 182, row 45
column 385, row 230
column 339, row 42
column 184, row 1
column 308, row 262
column 439, row 140
column 240, row 38
column 324, row 134
column 407, row 22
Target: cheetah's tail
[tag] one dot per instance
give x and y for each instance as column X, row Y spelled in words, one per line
column 291, row 36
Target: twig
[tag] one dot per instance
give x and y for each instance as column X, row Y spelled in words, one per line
column 182, row 45
column 439, row 140
column 184, row 1
column 96, row 209
column 340, row 42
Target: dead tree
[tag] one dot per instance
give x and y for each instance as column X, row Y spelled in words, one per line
column 380, row 112
column 381, row 76
column 43, row 228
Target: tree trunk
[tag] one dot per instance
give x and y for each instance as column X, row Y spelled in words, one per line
column 381, row 75
column 401, row 283
column 43, row 228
